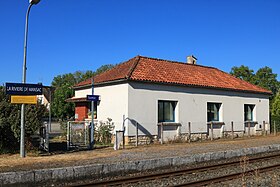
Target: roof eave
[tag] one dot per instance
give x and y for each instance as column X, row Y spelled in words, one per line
column 201, row 86
column 166, row 83
column 101, row 83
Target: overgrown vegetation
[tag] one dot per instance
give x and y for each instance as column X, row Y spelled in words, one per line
column 10, row 122
column 103, row 132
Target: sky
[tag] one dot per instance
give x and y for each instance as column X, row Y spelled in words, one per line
column 70, row 35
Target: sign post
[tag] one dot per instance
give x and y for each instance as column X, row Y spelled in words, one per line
column 92, row 116
column 23, row 93
column 93, row 98
column 24, row 89
column 24, row 99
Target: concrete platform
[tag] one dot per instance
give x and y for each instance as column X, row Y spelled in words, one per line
column 132, row 163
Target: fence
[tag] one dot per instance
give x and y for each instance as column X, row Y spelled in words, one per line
column 193, row 131
column 78, row 134
column 275, row 124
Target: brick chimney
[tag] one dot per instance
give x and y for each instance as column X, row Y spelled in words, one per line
column 191, row 59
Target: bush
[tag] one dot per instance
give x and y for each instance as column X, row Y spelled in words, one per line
column 103, row 132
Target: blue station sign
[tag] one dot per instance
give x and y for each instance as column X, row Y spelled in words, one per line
column 93, row 97
column 24, row 89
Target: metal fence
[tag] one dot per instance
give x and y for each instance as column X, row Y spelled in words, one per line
column 78, row 134
column 198, row 130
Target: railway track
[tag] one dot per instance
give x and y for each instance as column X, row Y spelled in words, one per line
column 134, row 180
column 227, row 177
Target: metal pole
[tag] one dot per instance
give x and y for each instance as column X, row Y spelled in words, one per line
column 211, row 131
column 136, row 134
column 249, row 129
column 117, row 144
column 50, row 121
column 263, row 128
column 50, row 114
column 232, row 132
column 189, row 132
column 161, row 133
column 22, row 125
column 123, row 129
column 274, row 124
column 86, row 134
column 92, row 117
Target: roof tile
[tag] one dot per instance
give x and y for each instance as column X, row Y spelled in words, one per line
column 155, row 70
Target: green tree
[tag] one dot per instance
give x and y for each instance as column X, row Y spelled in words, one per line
column 8, row 114
column 60, row 108
column 275, row 111
column 88, row 74
column 243, row 72
column 267, row 79
column 62, row 80
column 104, row 68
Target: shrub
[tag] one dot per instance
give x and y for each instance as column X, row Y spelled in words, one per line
column 103, row 132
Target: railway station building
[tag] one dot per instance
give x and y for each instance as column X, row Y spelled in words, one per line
column 171, row 99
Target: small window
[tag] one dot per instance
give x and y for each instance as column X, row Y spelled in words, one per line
column 213, row 111
column 248, row 112
column 166, row 111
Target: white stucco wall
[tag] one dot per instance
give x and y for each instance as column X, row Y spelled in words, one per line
column 82, row 93
column 113, row 102
column 139, row 102
column 191, row 106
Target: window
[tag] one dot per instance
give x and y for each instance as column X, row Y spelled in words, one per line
column 213, row 111
column 248, row 112
column 166, row 111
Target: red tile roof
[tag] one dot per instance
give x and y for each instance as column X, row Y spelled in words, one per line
column 155, row 70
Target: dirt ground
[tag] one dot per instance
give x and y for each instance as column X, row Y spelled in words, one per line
column 13, row 162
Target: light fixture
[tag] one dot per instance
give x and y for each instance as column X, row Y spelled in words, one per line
column 34, row 2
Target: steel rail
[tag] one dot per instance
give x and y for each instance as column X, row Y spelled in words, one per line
column 224, row 178
column 168, row 174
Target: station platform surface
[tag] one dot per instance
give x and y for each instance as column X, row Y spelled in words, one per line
column 33, row 161
column 57, row 168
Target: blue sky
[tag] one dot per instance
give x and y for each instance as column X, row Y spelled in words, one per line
column 70, row 35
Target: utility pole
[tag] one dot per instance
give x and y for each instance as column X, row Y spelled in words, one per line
column 92, row 117
column 22, row 125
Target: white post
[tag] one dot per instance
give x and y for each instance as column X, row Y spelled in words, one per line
column 68, row 135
